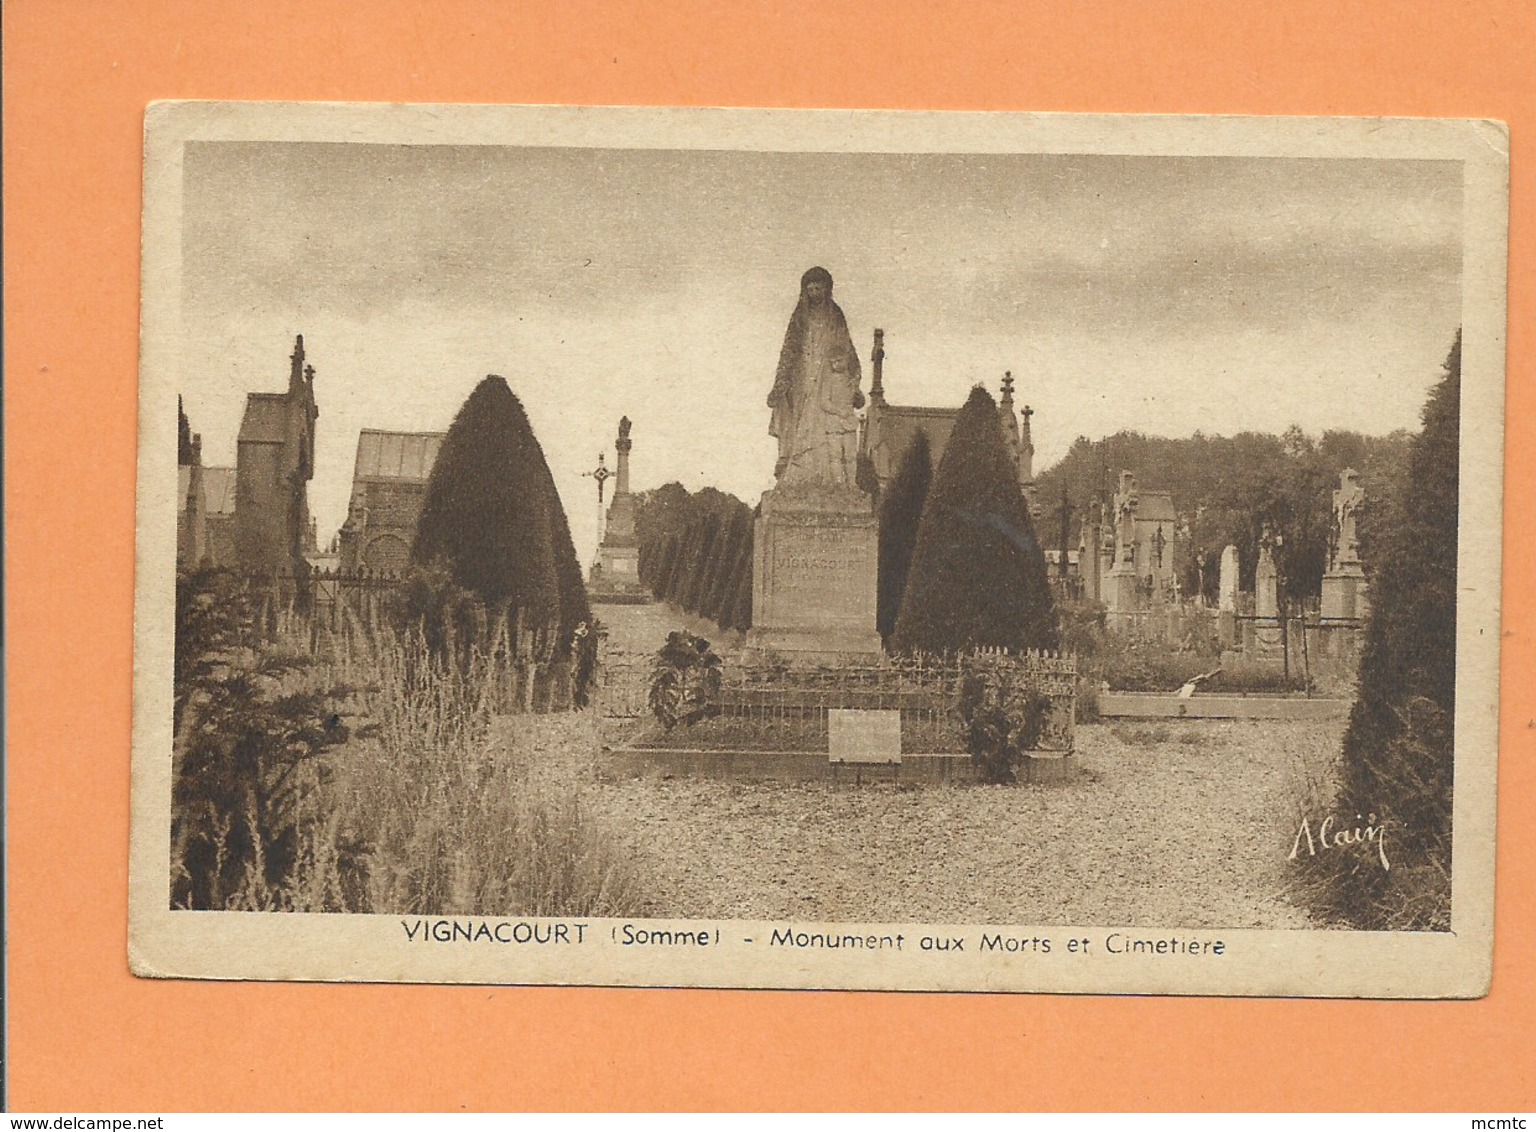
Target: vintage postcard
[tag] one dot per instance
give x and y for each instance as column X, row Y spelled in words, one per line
column 867, row 550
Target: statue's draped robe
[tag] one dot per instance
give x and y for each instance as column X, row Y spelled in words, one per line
column 813, row 399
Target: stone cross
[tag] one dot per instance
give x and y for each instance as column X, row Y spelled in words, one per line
column 600, row 474
column 1266, row 595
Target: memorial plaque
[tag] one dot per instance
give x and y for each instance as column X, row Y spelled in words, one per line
column 863, row 736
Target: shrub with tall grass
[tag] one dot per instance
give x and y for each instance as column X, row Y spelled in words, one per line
column 382, row 778
column 463, row 818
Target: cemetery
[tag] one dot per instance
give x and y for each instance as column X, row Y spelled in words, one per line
column 871, row 693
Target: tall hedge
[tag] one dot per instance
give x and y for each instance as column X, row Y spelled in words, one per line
column 493, row 519
column 901, row 510
column 1398, row 749
column 695, row 587
column 695, row 549
column 725, row 571
column 978, row 572
column 736, row 613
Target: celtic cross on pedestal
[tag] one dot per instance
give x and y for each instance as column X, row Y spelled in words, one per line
column 601, row 474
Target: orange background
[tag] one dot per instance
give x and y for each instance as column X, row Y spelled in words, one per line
column 85, row 1035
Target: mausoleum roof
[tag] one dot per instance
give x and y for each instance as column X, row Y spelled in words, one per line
column 1155, row 507
column 406, row 456
column 219, row 490
column 266, row 418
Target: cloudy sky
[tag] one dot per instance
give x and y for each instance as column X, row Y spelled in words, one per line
column 1162, row 294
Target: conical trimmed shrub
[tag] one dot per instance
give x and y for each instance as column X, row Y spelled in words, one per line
column 978, row 571
column 901, row 510
column 494, row 521
column 1399, row 748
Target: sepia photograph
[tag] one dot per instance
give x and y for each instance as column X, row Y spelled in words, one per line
column 819, row 549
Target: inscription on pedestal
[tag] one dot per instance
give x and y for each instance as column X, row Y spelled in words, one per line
column 814, row 577
column 818, row 576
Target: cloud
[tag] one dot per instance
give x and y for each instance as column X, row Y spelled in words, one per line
column 1159, row 293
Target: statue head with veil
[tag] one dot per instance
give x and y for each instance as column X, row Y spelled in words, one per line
column 816, row 392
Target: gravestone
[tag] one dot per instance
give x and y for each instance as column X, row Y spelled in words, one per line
column 1121, row 596
column 1266, row 597
column 1226, row 598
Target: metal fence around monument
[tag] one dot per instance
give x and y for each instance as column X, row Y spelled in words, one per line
column 780, row 707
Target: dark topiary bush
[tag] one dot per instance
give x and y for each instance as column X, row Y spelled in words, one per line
column 901, row 510
column 493, row 541
column 1399, row 748
column 978, row 572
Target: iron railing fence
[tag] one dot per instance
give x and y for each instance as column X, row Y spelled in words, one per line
column 778, row 704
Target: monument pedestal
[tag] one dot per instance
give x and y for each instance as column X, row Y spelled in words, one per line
column 815, row 551
column 1344, row 594
column 617, row 572
column 1120, row 596
column 1226, row 627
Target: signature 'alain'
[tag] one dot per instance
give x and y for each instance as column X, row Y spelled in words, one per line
column 1329, row 838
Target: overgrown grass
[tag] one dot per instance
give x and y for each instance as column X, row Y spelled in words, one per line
column 458, row 824
column 426, row 808
column 1347, row 886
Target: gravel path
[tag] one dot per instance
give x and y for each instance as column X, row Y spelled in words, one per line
column 1180, row 824
column 1183, row 824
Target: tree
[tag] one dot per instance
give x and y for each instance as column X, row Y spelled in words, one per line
column 494, row 521
column 251, row 729
column 736, row 613
column 727, row 565
column 687, row 556
column 659, row 514
column 901, row 510
column 183, row 436
column 1398, row 749
column 978, row 572
column 696, row 588
column 665, row 564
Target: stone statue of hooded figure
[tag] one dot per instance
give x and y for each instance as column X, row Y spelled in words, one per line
column 816, row 392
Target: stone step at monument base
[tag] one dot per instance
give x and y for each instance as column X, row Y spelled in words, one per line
column 1041, row 768
column 620, row 597
column 811, row 646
